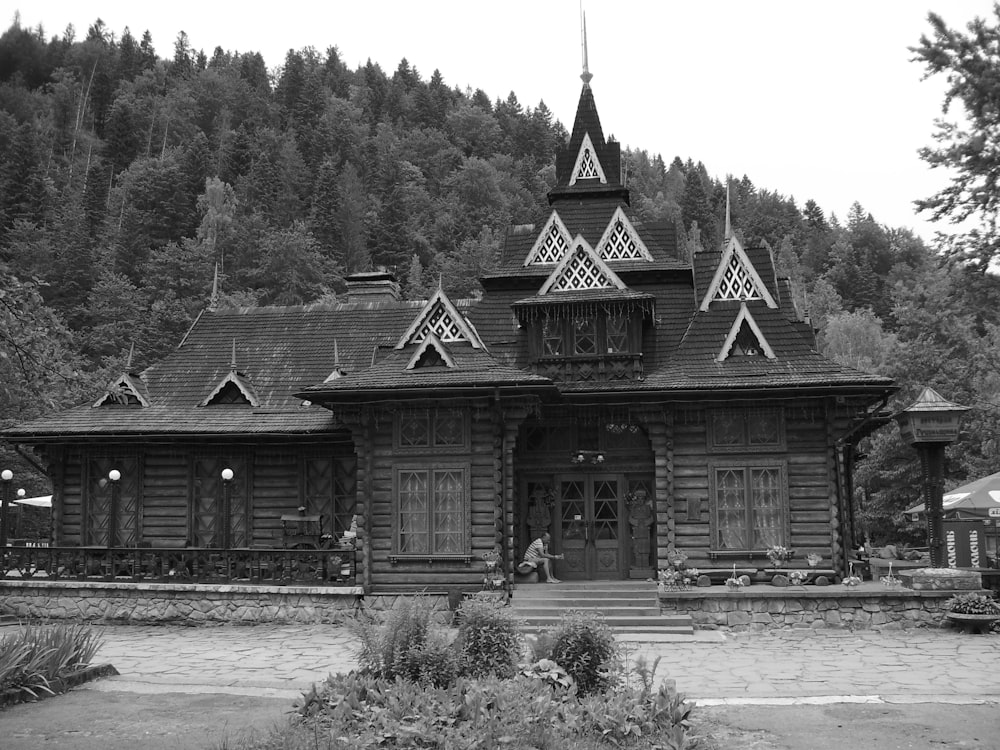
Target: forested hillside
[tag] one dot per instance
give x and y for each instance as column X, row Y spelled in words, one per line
column 128, row 178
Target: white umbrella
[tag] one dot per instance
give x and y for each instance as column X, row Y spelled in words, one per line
column 42, row 501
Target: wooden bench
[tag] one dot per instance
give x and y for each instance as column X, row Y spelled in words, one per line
column 721, row 575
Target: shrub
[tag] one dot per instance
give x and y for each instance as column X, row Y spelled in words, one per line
column 585, row 647
column 489, row 639
column 33, row 656
column 404, row 647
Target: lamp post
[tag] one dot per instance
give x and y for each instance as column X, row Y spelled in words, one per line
column 115, row 476
column 7, row 476
column 929, row 424
column 227, row 488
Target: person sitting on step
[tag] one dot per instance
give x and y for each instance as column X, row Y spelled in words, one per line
column 537, row 556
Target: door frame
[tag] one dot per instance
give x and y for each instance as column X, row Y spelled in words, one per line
column 591, row 571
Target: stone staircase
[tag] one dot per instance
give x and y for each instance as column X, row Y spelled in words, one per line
column 626, row 606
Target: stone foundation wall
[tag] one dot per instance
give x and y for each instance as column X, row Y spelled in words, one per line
column 194, row 603
column 775, row 609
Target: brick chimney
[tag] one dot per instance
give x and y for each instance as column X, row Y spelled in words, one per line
column 372, row 286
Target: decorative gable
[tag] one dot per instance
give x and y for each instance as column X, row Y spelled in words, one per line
column 745, row 339
column 552, row 243
column 621, row 242
column 580, row 270
column 587, row 166
column 233, row 389
column 431, row 353
column 440, row 318
column 736, row 279
column 124, row 391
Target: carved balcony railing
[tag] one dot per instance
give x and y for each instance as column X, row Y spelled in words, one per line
column 335, row 566
column 601, row 368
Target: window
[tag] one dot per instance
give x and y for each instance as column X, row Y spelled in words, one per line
column 749, row 507
column 431, row 517
column 585, row 335
column 750, row 428
column 431, row 429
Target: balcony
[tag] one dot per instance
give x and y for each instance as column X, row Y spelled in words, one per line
column 589, row 368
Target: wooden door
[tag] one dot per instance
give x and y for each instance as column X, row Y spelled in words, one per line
column 590, row 527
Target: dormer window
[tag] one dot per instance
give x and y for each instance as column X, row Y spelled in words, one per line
column 584, row 335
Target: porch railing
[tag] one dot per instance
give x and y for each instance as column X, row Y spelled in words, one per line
column 335, row 566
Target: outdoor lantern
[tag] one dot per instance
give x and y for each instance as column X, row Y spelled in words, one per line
column 929, row 424
column 7, row 475
column 227, row 475
column 114, row 475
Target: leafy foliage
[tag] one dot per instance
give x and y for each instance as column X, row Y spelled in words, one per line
column 972, row 604
column 585, row 647
column 33, row 656
column 489, row 639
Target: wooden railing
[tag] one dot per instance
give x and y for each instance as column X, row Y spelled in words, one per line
column 336, row 566
column 598, row 368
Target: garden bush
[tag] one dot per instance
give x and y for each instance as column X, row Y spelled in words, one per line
column 489, row 639
column 585, row 647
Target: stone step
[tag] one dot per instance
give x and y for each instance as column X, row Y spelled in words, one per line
column 671, row 626
column 523, row 610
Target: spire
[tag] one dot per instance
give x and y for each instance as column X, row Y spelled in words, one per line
column 131, row 355
column 232, row 365
column 729, row 221
column 214, row 300
column 586, row 75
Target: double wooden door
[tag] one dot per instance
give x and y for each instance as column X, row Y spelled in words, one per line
column 590, row 527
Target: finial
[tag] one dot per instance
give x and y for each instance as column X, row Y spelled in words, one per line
column 214, row 300
column 586, row 75
column 232, row 364
column 729, row 222
column 336, row 354
column 131, row 354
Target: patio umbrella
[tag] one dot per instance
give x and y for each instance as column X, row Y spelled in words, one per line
column 42, row 501
column 974, row 500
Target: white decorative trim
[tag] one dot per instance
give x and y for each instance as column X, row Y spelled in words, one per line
column 638, row 249
column 236, row 379
column 432, row 341
column 588, row 165
column 124, row 385
column 552, row 243
column 581, row 264
column 734, row 252
column 744, row 316
column 441, row 318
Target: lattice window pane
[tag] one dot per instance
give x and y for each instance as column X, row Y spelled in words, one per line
column 588, row 166
column 448, row 515
column 584, row 335
column 728, row 428
column 736, row 282
column 731, row 509
column 552, row 337
column 414, row 430
column 449, row 429
column 414, row 514
column 582, row 273
column 766, row 507
column 552, row 247
column 621, row 244
column 617, row 334
column 765, row 427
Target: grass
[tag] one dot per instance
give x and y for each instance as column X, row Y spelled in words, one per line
column 34, row 656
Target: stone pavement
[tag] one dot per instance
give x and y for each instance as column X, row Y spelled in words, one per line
column 814, row 666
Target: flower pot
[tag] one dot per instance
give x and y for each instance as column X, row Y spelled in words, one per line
column 972, row 623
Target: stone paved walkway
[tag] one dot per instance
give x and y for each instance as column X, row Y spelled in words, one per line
column 788, row 666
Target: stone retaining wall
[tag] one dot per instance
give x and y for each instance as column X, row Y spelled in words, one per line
column 770, row 608
column 193, row 603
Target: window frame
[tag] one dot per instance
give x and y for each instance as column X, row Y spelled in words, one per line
column 430, row 469
column 569, row 335
column 747, row 466
column 432, row 447
column 745, row 445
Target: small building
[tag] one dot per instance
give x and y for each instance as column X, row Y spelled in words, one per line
column 606, row 387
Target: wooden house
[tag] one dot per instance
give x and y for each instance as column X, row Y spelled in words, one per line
column 605, row 387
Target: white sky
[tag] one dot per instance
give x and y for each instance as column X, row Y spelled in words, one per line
column 811, row 98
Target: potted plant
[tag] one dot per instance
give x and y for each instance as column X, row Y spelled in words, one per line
column 779, row 555
column 972, row 611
